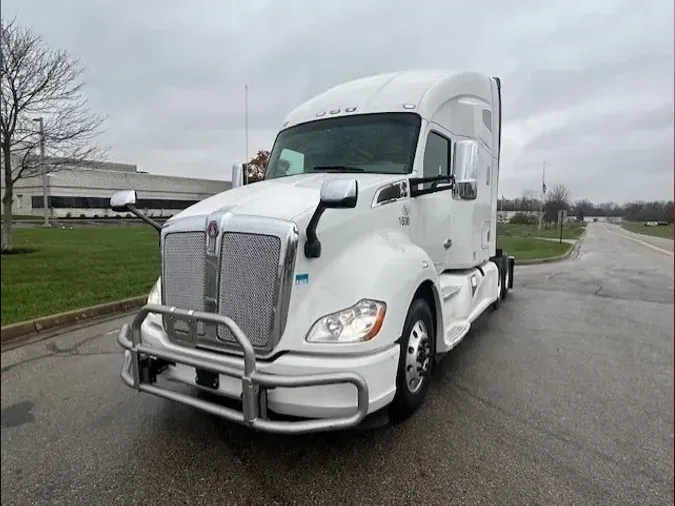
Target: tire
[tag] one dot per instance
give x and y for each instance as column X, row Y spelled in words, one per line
column 495, row 304
column 506, row 278
column 418, row 336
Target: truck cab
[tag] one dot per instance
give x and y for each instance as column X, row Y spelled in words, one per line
column 328, row 291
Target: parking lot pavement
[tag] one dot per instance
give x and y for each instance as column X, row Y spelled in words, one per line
column 562, row 396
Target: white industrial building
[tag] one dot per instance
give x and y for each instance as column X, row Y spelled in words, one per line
column 84, row 191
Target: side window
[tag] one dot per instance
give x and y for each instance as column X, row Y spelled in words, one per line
column 436, row 156
column 291, row 162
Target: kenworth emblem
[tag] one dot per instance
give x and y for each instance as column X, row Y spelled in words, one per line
column 211, row 235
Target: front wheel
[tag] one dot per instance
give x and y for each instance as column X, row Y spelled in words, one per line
column 416, row 361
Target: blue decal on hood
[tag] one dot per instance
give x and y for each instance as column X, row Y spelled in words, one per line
column 302, row 279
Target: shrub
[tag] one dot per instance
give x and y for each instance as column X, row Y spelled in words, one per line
column 522, row 219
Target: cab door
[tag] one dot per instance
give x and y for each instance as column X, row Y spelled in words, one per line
column 433, row 210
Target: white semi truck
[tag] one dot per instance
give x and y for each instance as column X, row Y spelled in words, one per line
column 328, row 291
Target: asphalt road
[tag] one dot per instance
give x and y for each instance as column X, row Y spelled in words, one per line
column 562, row 396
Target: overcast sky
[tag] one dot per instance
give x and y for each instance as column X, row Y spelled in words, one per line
column 588, row 85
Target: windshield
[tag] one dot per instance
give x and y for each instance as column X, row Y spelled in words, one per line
column 375, row 143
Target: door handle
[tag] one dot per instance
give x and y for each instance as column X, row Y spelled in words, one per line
column 447, row 243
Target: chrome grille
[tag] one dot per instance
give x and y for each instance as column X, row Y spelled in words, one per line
column 183, row 274
column 249, row 265
column 247, row 277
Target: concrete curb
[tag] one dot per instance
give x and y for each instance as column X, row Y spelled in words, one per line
column 573, row 247
column 29, row 328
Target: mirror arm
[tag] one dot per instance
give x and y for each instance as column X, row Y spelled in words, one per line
column 145, row 218
column 313, row 245
column 416, row 191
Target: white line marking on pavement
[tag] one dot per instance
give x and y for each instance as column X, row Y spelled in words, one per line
column 639, row 241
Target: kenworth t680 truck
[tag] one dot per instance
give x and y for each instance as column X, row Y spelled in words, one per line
column 329, row 290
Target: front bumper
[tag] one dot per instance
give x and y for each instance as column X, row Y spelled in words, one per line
column 138, row 372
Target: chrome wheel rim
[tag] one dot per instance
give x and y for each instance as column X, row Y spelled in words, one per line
column 506, row 279
column 418, row 357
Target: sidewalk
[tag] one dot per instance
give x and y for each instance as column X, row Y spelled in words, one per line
column 555, row 239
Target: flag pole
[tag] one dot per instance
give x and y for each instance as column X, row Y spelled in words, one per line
column 246, row 120
column 543, row 191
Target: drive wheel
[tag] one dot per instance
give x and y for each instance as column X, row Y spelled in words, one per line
column 416, row 361
column 506, row 279
column 500, row 288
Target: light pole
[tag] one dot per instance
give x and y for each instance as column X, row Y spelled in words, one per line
column 45, row 199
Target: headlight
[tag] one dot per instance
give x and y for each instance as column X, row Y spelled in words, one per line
column 155, row 295
column 358, row 323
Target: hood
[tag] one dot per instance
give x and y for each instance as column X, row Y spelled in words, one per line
column 285, row 198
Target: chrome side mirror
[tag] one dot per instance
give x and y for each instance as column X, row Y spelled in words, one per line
column 339, row 194
column 335, row 194
column 125, row 200
column 465, row 163
column 238, row 175
column 121, row 200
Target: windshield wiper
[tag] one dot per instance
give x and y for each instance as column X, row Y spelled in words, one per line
column 336, row 168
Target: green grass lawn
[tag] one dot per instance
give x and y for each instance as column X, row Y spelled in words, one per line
column 639, row 228
column 570, row 231
column 76, row 268
column 527, row 248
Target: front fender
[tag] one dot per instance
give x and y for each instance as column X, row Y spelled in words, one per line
column 384, row 265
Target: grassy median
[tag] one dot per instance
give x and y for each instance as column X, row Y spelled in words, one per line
column 527, row 248
column 640, row 228
column 569, row 231
column 522, row 241
column 71, row 269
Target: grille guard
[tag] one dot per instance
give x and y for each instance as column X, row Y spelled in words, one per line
column 254, row 383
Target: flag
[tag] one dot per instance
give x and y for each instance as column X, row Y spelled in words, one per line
column 543, row 178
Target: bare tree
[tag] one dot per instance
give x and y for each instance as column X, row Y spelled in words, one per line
column 37, row 81
column 529, row 202
column 583, row 208
column 557, row 199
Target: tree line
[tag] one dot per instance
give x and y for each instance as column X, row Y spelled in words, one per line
column 558, row 198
